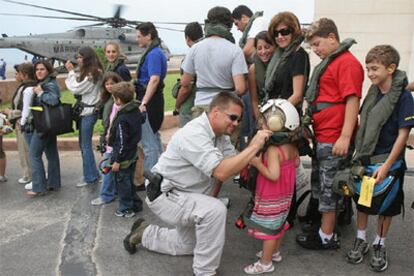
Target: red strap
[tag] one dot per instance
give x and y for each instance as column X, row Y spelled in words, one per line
column 282, row 153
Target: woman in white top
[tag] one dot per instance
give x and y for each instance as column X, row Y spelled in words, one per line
column 86, row 88
column 23, row 94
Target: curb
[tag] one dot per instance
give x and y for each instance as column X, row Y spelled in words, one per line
column 71, row 143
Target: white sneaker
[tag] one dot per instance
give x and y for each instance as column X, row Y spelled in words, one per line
column 24, row 180
column 98, row 201
column 276, row 257
column 3, row 178
column 28, row 186
column 259, row 268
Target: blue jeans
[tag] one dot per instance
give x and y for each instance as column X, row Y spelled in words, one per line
column 124, row 182
column 248, row 126
column 28, row 136
column 86, row 124
column 151, row 145
column 108, row 188
column 48, row 145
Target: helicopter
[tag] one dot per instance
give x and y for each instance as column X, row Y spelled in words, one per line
column 64, row 46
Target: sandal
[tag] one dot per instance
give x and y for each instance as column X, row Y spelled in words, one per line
column 276, row 257
column 259, row 268
column 34, row 194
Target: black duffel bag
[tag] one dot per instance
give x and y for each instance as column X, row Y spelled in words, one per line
column 53, row 119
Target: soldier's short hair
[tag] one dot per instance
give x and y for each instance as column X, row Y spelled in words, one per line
column 222, row 100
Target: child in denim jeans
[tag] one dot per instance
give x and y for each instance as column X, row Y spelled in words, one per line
column 108, row 110
column 124, row 135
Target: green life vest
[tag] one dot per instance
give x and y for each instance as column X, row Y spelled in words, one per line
column 312, row 92
column 278, row 60
column 218, row 29
column 375, row 114
column 112, row 66
column 260, row 74
column 155, row 43
column 246, row 30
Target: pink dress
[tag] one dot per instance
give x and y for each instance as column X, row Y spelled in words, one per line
column 273, row 199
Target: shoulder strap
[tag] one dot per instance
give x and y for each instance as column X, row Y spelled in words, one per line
column 312, row 91
column 243, row 39
column 374, row 114
column 155, row 43
column 282, row 153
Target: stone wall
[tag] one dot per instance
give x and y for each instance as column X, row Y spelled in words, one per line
column 373, row 22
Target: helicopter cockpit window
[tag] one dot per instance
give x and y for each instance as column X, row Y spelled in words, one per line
column 80, row 32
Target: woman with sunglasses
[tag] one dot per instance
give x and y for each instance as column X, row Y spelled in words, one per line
column 288, row 70
column 86, row 87
column 288, row 74
column 47, row 92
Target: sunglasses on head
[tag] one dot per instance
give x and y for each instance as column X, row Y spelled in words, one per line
column 233, row 117
column 283, row 32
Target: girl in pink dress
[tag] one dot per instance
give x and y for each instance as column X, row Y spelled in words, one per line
column 274, row 190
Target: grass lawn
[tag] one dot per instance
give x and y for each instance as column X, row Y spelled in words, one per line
column 67, row 97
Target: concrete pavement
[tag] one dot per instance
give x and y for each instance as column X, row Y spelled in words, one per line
column 62, row 234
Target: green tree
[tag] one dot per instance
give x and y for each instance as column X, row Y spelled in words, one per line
column 101, row 54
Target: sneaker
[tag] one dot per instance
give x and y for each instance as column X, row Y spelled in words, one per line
column 125, row 213
column 134, row 238
column 24, row 180
column 309, row 227
column 98, row 201
column 314, row 241
column 357, row 253
column 28, row 186
column 379, row 260
column 276, row 257
column 259, row 268
column 3, row 178
column 84, row 183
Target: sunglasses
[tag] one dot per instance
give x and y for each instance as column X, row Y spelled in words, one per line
column 233, row 117
column 283, row 32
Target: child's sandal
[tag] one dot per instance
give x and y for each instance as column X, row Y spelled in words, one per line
column 276, row 257
column 259, row 268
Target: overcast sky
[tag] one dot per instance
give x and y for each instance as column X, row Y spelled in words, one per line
column 153, row 10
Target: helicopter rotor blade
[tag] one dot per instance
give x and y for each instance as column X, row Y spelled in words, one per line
column 170, row 23
column 118, row 10
column 52, row 9
column 91, row 25
column 169, row 29
column 133, row 22
column 49, row 16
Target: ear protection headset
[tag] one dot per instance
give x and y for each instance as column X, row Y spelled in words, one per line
column 280, row 115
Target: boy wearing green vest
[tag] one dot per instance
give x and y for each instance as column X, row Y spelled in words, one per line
column 333, row 99
column 387, row 115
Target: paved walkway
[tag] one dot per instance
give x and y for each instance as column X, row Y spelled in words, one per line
column 62, row 234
